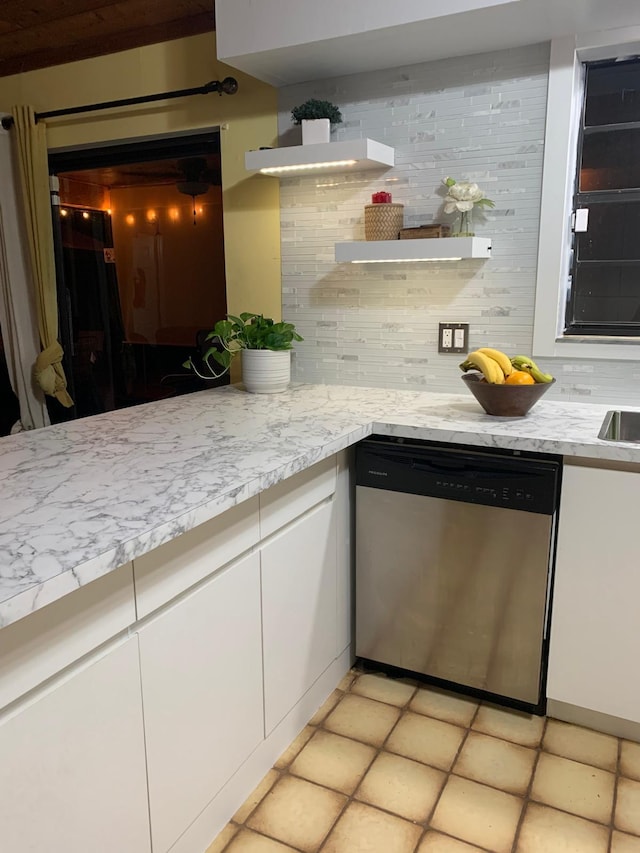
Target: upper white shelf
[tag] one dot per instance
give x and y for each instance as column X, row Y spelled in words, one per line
column 325, row 157
column 432, row 249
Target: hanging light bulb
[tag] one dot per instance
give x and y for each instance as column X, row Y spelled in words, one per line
column 194, row 170
column 194, row 189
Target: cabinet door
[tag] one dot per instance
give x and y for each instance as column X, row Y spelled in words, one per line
column 595, row 642
column 298, row 610
column 72, row 775
column 202, row 688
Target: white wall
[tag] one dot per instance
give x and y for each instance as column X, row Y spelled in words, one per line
column 478, row 117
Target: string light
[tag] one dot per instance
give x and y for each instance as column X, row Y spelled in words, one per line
column 130, row 219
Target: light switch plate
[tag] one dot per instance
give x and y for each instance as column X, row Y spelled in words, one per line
column 453, row 337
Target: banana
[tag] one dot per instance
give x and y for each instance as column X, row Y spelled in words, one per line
column 489, row 368
column 523, row 362
column 503, row 360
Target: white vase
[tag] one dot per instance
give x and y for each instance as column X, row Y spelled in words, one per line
column 315, row 131
column 265, row 371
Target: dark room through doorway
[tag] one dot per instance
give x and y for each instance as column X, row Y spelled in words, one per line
column 140, row 267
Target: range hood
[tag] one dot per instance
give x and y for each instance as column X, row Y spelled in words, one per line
column 325, row 157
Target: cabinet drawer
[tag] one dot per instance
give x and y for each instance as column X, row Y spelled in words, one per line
column 201, row 670
column 73, row 768
column 39, row 646
column 291, row 497
column 174, row 567
column 298, row 569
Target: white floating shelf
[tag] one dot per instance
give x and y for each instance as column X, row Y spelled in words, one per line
column 353, row 154
column 397, row 251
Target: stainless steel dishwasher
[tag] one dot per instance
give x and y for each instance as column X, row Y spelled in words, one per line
column 454, row 561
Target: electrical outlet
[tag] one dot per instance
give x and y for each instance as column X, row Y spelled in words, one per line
column 453, row 337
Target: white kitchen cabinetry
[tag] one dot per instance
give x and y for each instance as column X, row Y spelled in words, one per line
column 43, row 644
column 299, row 609
column 202, row 690
column 595, row 635
column 171, row 569
column 72, row 775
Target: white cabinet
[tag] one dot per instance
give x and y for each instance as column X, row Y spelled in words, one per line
column 344, row 552
column 41, row 645
column 202, row 689
column 291, row 498
column 172, row 568
column 299, row 609
column 72, row 775
column 595, row 634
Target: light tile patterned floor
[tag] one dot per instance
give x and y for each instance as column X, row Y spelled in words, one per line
column 389, row 766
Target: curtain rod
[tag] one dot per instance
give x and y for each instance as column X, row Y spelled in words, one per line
column 228, row 86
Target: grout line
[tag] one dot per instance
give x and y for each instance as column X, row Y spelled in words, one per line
column 615, row 795
column 425, row 825
column 526, row 798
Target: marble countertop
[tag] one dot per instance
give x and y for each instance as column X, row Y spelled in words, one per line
column 79, row 499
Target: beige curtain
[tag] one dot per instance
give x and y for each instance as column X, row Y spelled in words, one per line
column 34, row 179
column 18, row 320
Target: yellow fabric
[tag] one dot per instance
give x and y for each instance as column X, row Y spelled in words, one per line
column 31, row 141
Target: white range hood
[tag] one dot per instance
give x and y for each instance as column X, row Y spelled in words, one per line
column 327, row 156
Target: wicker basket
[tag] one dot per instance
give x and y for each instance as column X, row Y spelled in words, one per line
column 383, row 221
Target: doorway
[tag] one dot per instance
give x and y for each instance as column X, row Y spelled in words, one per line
column 140, row 267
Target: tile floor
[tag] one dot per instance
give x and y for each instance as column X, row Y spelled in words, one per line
column 388, row 766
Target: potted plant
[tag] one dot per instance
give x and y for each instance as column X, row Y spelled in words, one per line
column 265, row 346
column 316, row 118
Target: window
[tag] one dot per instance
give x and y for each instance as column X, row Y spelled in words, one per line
column 579, row 273
column 604, row 293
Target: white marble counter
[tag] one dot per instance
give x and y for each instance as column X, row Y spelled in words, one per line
column 79, row 499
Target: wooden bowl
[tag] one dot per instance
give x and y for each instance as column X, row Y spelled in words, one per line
column 505, row 401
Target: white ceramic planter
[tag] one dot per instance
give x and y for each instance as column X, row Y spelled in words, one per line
column 315, row 131
column 266, row 372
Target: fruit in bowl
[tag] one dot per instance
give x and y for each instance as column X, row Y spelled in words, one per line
column 506, row 387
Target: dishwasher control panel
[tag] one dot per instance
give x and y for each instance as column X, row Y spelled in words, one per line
column 470, row 475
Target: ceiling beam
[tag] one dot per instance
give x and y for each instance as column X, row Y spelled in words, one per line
column 100, row 43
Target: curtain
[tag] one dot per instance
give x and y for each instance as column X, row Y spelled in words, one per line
column 18, row 319
column 34, row 178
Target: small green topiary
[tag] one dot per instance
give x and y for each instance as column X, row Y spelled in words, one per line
column 313, row 108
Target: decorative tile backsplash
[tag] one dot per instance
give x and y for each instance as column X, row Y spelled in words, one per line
column 479, row 118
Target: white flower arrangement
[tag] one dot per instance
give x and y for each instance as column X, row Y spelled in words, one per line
column 462, row 197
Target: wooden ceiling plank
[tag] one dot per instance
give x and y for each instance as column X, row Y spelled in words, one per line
column 100, row 46
column 38, row 12
column 121, row 17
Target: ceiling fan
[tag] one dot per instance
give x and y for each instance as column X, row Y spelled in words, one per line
column 198, row 177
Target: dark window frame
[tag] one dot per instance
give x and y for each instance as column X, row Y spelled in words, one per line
column 589, row 199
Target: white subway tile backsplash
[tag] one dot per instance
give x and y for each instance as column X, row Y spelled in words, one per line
column 478, row 118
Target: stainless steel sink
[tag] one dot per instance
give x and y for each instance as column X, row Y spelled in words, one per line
column 620, row 426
